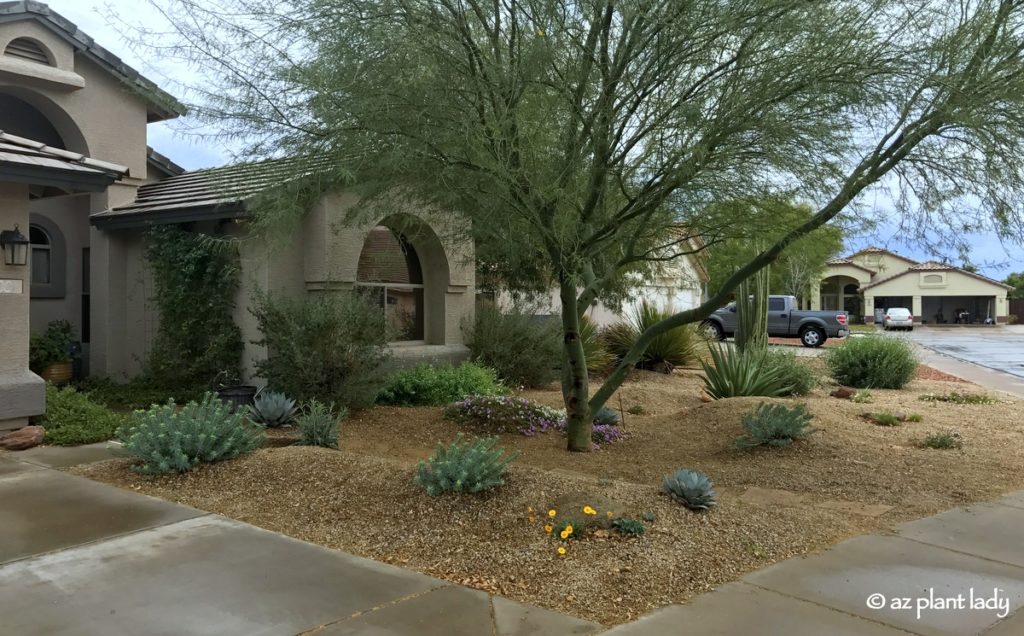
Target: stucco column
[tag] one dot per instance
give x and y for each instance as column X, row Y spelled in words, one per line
column 816, row 296
column 916, row 310
column 869, row 310
column 22, row 393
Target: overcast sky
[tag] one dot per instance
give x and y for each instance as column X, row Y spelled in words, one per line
column 192, row 152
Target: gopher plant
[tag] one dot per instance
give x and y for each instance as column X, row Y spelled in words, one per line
column 464, row 466
column 692, row 489
column 775, row 425
column 168, row 440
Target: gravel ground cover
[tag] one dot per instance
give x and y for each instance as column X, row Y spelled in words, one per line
column 362, row 499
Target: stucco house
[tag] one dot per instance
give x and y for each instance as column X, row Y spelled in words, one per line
column 874, row 279
column 78, row 180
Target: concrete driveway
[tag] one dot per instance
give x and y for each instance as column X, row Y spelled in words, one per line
column 999, row 349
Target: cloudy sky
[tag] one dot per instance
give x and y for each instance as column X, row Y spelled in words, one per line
column 177, row 140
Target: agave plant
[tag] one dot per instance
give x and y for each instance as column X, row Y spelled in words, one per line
column 607, row 417
column 272, row 409
column 690, row 488
column 736, row 374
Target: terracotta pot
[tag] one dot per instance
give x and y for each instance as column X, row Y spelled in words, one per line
column 57, row 373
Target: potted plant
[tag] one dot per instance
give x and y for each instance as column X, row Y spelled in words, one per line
column 50, row 352
column 229, row 388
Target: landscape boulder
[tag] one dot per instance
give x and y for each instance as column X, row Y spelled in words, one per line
column 23, row 438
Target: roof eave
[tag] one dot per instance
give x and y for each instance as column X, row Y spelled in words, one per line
column 46, row 176
column 115, row 221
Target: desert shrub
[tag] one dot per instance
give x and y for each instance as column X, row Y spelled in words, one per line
column 169, row 440
column 464, row 466
column 692, row 489
column 599, row 358
column 73, row 418
column 735, row 374
column 491, row 414
column 862, row 396
column 629, row 527
column 774, row 425
column 885, row 418
column 637, row 409
column 524, row 349
column 955, row 397
column 873, row 363
column 272, row 409
column 138, row 393
column 318, row 424
column 799, row 377
column 942, row 440
column 329, row 347
column 427, row 385
column 675, row 348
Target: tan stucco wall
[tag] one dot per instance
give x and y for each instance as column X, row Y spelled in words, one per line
column 21, row 391
column 882, row 263
column 71, row 215
column 957, row 284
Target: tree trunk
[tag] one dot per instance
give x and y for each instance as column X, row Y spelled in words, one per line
column 575, row 381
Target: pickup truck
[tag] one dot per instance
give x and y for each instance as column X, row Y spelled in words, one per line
column 785, row 321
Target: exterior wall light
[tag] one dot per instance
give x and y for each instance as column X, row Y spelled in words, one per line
column 15, row 247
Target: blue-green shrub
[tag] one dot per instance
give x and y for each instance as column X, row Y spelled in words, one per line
column 464, row 466
column 873, row 362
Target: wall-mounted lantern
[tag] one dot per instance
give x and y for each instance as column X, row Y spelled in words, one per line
column 15, row 247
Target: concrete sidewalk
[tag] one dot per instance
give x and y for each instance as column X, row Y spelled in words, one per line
column 81, row 558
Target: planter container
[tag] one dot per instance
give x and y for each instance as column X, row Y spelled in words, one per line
column 58, row 373
column 238, row 395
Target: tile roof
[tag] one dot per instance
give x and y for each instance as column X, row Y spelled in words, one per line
column 21, row 156
column 933, row 266
column 210, row 193
column 162, row 104
column 846, row 261
column 874, row 249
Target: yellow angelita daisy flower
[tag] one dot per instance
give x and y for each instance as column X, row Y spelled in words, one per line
column 561, row 551
column 563, row 534
column 548, row 528
column 609, row 513
column 568, row 529
column 552, row 513
column 587, row 510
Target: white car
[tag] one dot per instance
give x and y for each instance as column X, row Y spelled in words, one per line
column 898, row 318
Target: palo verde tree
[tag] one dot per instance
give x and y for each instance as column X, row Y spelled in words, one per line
column 586, row 138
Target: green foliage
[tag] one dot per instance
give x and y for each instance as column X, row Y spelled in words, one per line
column 1015, row 280
column 775, row 425
column 51, row 346
column 956, row 397
column 169, row 440
column 752, row 312
column 318, row 424
column 329, row 347
column 885, row 418
column 464, row 466
column 629, row 527
column 862, row 396
column 674, row 348
column 942, row 440
column 873, row 363
column 735, row 374
column 599, row 358
column 138, row 393
column 607, row 417
column 690, row 488
column 799, row 377
column 913, row 417
column 73, row 418
column 272, row 409
column 428, row 385
column 196, row 279
column 524, row 349
column 637, row 409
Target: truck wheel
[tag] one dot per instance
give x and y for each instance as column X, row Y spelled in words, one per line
column 812, row 337
column 713, row 330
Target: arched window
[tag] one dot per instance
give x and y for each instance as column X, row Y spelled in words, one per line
column 49, row 255
column 390, row 270
column 28, row 49
column 42, row 255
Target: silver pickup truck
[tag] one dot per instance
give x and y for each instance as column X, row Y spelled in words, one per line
column 785, row 321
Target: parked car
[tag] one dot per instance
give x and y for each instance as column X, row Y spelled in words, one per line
column 898, row 318
column 785, row 321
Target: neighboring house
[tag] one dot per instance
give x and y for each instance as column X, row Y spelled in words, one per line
column 875, row 279
column 680, row 284
column 72, row 109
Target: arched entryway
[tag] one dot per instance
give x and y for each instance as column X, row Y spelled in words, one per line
column 403, row 267
column 840, row 293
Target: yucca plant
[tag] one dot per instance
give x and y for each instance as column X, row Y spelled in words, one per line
column 673, row 348
column 775, row 425
column 272, row 409
column 599, row 359
column 736, row 374
column 692, row 489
